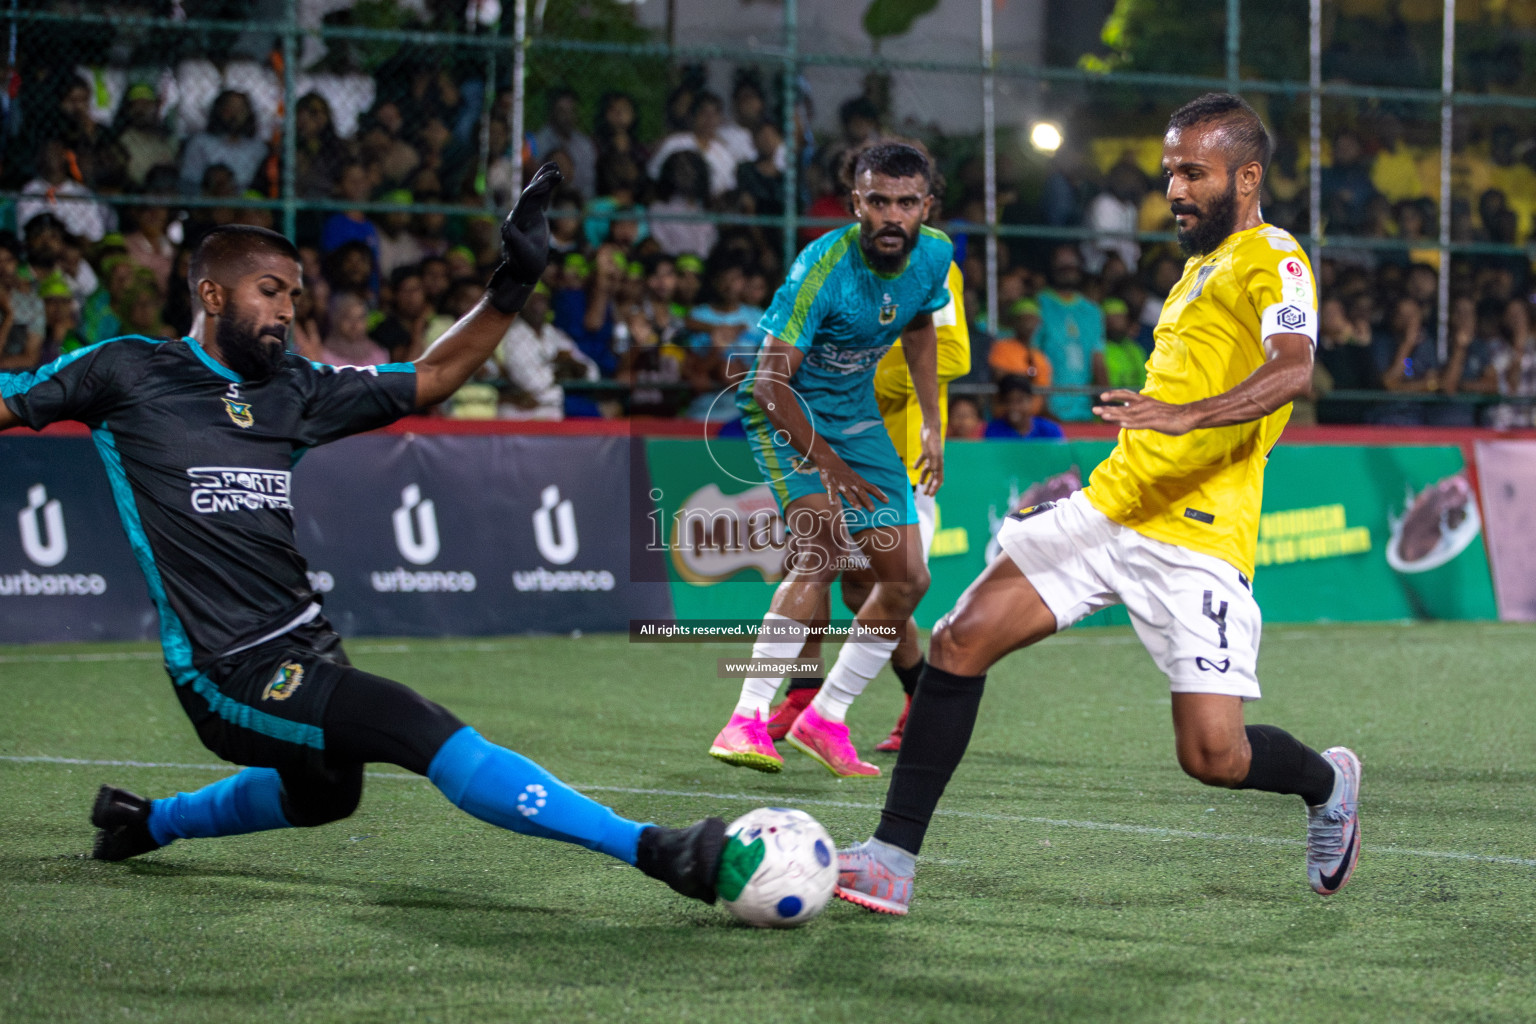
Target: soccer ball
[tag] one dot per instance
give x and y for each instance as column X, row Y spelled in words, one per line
column 778, row 868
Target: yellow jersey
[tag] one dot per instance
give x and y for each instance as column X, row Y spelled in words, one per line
column 1203, row 490
column 893, row 381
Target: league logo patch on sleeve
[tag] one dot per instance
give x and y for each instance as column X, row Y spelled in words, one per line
column 1291, row 318
column 1295, row 282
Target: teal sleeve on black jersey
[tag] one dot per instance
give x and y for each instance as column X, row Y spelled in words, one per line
column 81, row 386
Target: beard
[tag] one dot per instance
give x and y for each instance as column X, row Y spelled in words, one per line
column 1212, row 225
column 255, row 353
column 884, row 262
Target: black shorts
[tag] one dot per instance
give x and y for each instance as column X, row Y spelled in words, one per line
column 265, row 707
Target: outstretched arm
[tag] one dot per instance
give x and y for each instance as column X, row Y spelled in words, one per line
column 466, row 345
column 1285, row 376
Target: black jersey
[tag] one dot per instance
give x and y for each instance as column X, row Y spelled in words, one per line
column 200, row 464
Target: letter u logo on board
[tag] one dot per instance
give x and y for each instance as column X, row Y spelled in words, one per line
column 554, row 527
column 418, row 541
column 52, row 551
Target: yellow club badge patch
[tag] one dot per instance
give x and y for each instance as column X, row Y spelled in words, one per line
column 290, row 676
column 240, row 412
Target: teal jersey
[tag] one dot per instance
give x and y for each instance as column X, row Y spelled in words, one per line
column 1069, row 335
column 844, row 317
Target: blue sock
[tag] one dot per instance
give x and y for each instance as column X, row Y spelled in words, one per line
column 250, row 801
column 506, row 789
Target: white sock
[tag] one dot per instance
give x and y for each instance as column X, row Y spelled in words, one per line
column 781, row 638
column 860, row 660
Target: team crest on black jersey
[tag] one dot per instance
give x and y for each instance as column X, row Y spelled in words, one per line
column 290, row 676
column 240, row 412
column 887, row 311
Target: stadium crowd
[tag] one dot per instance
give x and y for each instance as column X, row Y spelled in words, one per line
column 645, row 311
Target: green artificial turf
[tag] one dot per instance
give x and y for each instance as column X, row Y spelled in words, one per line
column 1074, row 873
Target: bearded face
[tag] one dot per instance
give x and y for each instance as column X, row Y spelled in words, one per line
column 251, row 349
column 1213, row 222
column 882, row 251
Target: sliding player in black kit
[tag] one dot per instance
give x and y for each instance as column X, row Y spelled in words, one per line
column 199, row 437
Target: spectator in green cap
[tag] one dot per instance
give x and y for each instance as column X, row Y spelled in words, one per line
column 535, row 357
column 144, row 137
column 690, row 281
column 61, row 332
column 398, row 247
column 21, row 309
column 100, row 315
column 256, row 216
column 1124, row 360
column 140, row 305
column 461, row 262
column 1017, row 356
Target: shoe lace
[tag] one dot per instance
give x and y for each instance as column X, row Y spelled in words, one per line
column 756, row 729
column 1325, row 830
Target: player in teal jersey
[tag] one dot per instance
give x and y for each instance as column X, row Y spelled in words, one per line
column 817, row 435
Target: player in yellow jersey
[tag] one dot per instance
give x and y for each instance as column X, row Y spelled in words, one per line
column 897, row 399
column 1166, row 526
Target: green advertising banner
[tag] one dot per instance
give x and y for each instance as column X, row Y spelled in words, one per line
column 1348, row 533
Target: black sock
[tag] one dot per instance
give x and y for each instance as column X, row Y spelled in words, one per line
column 805, row 683
column 910, row 674
column 1283, row 764
column 938, row 731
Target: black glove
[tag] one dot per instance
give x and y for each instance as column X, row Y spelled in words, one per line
column 524, row 243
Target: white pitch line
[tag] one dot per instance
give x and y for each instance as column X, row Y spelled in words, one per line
column 1017, row 819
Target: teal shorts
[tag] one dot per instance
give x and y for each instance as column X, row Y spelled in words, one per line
column 863, row 444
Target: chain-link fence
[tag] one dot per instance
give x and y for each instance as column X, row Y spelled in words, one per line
column 701, row 144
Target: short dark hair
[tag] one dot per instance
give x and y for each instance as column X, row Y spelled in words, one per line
column 652, row 261
column 43, row 222
column 704, row 98
column 1244, row 137
column 400, row 275
column 231, row 243
column 219, row 125
column 1015, row 382
column 895, row 159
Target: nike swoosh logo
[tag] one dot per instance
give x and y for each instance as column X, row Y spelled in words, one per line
column 1333, row 881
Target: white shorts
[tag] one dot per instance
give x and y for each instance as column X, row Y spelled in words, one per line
column 927, row 513
column 1194, row 613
